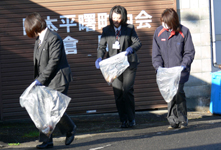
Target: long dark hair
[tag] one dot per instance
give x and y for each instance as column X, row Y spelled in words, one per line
column 34, row 24
column 170, row 17
column 118, row 10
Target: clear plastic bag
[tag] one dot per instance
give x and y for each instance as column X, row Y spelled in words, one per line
column 114, row 66
column 168, row 81
column 45, row 106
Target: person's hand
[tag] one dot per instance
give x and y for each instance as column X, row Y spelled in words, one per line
column 184, row 67
column 129, row 51
column 37, row 83
column 158, row 68
column 97, row 63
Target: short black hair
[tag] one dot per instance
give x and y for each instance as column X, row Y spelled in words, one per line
column 118, row 10
column 34, row 24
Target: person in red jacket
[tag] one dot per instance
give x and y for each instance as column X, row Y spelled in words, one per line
column 173, row 46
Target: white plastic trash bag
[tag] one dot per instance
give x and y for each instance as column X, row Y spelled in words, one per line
column 45, row 106
column 168, row 81
column 114, row 66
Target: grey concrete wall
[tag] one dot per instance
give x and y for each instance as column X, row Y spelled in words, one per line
column 195, row 15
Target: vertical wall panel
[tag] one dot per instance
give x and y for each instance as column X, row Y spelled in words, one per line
column 88, row 91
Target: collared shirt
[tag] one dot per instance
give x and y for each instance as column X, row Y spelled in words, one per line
column 119, row 28
column 42, row 35
column 117, row 32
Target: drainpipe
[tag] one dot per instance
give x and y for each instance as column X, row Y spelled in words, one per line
column 214, row 38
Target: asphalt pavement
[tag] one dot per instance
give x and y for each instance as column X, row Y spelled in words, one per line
column 102, row 131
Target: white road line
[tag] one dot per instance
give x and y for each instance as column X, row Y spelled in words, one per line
column 100, row 147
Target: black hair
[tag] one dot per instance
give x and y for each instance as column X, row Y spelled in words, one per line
column 118, row 10
column 34, row 24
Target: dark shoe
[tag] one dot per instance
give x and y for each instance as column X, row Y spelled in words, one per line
column 124, row 124
column 132, row 123
column 45, row 145
column 70, row 136
column 184, row 125
column 173, row 126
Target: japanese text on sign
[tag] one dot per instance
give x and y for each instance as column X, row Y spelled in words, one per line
column 88, row 22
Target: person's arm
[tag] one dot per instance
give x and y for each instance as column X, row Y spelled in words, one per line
column 189, row 51
column 54, row 58
column 136, row 44
column 156, row 54
column 101, row 50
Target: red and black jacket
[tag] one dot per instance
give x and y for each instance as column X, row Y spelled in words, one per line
column 172, row 49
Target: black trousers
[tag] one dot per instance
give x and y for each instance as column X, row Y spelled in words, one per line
column 65, row 124
column 177, row 110
column 123, row 93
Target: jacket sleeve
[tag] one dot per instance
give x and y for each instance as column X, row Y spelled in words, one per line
column 101, row 50
column 156, row 54
column 54, row 58
column 136, row 44
column 189, row 51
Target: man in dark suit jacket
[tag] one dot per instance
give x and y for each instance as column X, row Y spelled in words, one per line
column 120, row 36
column 51, row 69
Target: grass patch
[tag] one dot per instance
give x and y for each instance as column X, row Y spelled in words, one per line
column 31, row 134
column 14, row 125
column 13, row 144
column 8, row 126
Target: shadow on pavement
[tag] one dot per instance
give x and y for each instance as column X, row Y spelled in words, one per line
column 12, row 132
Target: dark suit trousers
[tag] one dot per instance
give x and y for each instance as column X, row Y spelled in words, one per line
column 177, row 110
column 123, row 92
column 65, row 124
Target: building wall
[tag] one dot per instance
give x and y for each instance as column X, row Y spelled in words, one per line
column 89, row 91
column 195, row 14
